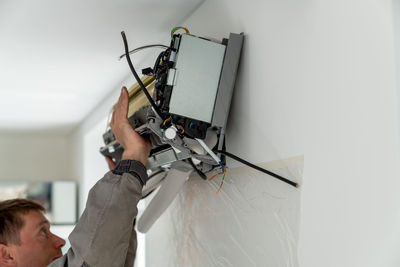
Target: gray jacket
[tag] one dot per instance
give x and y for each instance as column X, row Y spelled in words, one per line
column 105, row 235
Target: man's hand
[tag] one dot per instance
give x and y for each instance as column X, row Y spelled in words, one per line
column 135, row 146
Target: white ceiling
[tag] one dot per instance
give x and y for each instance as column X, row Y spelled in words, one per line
column 58, row 59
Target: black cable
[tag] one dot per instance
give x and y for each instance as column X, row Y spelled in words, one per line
column 158, row 62
column 148, row 194
column 128, row 58
column 200, row 173
column 258, row 168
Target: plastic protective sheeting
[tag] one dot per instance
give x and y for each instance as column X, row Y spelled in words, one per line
column 253, row 221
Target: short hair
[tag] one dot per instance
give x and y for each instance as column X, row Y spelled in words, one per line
column 11, row 221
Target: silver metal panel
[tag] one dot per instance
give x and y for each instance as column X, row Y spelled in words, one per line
column 228, row 78
column 198, row 69
column 161, row 158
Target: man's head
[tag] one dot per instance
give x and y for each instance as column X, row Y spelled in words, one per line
column 25, row 237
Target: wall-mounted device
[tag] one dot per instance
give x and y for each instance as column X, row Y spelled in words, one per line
column 191, row 85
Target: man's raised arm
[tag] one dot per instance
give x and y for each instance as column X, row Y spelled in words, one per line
column 105, row 235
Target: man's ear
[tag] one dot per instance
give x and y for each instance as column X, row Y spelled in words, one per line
column 7, row 258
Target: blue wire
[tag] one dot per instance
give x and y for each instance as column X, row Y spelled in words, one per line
column 224, row 167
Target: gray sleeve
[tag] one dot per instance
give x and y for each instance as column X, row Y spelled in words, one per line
column 105, row 235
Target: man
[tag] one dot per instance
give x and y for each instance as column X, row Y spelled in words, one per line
column 104, row 235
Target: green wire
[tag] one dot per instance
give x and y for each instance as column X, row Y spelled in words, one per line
column 174, row 30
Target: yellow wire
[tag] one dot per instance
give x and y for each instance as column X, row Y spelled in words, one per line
column 170, row 117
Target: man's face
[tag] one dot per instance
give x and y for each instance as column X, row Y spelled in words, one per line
column 39, row 247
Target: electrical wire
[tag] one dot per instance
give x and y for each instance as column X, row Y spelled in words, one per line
column 180, row 128
column 178, row 28
column 142, row 48
column 170, row 117
column 128, row 58
column 258, row 168
column 212, row 177
column 222, row 181
column 224, row 171
column 157, row 63
column 200, row 173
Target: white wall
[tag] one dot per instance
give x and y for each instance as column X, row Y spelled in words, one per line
column 396, row 29
column 34, row 156
column 254, row 221
column 317, row 78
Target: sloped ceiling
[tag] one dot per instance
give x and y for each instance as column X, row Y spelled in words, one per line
column 58, row 59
